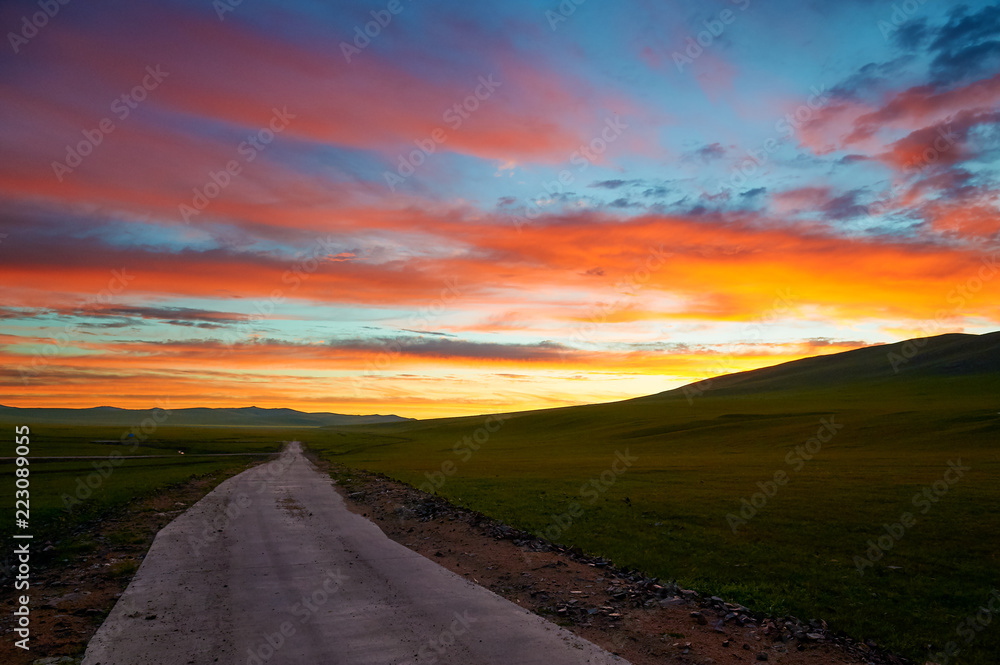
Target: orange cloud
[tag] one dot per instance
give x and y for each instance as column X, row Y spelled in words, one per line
column 727, row 269
column 307, row 377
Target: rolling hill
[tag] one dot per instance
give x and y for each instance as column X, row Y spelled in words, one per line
column 814, row 458
column 951, row 355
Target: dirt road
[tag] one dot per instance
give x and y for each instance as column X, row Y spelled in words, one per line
column 272, row 568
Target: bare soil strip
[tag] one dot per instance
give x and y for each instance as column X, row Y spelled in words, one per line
column 644, row 620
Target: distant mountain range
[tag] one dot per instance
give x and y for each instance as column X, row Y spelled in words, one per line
column 943, row 356
column 250, row 416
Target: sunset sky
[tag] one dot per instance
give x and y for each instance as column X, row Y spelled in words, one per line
column 447, row 208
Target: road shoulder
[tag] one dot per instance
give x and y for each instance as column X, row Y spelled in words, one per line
column 638, row 618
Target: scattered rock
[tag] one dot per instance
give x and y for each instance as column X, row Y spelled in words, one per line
column 625, row 588
column 63, row 602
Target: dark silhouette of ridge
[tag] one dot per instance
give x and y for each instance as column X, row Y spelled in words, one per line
column 250, row 416
column 941, row 356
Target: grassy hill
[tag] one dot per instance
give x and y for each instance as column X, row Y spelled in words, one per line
column 771, row 487
column 951, row 355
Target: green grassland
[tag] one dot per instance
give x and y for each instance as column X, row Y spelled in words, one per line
column 118, row 480
column 691, row 462
column 657, row 483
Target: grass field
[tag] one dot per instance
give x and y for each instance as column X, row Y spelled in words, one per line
column 774, row 488
column 684, row 467
column 68, row 494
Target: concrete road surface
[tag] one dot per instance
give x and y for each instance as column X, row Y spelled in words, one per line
column 271, row 568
